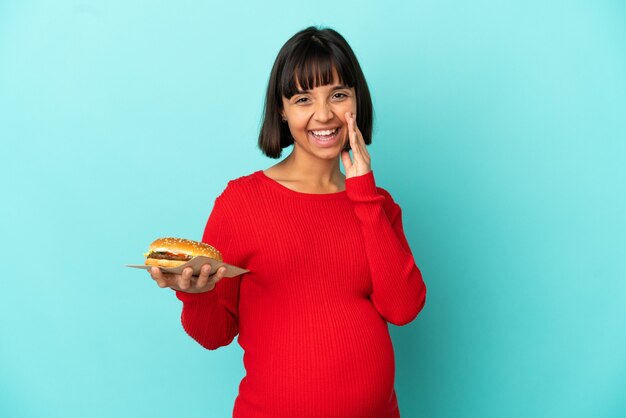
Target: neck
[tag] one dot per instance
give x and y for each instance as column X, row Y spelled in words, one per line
column 325, row 174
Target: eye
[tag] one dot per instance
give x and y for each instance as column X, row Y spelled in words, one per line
column 340, row 95
column 301, row 100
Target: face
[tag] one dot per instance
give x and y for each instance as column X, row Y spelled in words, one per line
column 317, row 120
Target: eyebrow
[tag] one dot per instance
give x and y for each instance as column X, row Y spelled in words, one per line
column 337, row 87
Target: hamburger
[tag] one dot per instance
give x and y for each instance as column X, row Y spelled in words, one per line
column 173, row 252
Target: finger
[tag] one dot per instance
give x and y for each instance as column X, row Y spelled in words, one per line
column 354, row 136
column 355, row 128
column 216, row 277
column 156, row 273
column 158, row 277
column 201, row 282
column 361, row 141
column 349, row 122
column 203, row 278
column 348, row 116
column 354, row 142
column 205, row 271
column 185, row 278
column 362, row 150
column 220, row 273
column 345, row 159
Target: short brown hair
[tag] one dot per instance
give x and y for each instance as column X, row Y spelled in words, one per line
column 310, row 56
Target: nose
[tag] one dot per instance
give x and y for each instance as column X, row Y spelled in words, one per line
column 323, row 112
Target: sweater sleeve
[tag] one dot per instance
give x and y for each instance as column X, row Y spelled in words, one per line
column 211, row 318
column 398, row 291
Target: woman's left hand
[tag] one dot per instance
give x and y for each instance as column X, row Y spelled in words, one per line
column 362, row 162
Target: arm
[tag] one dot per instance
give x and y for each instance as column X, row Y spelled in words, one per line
column 211, row 318
column 398, row 291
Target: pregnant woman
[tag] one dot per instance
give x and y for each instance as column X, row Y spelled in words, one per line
column 329, row 263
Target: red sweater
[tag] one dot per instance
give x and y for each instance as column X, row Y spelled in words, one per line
column 327, row 273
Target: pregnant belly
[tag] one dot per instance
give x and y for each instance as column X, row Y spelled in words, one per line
column 340, row 364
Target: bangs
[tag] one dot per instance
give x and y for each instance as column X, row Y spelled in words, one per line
column 312, row 66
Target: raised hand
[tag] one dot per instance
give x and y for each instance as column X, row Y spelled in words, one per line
column 362, row 162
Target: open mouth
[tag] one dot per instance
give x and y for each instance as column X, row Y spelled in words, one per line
column 325, row 135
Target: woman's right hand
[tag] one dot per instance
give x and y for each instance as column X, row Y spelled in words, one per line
column 186, row 282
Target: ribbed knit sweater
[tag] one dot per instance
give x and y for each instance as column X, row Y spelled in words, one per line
column 327, row 274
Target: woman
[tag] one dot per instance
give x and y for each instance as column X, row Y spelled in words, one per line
column 329, row 263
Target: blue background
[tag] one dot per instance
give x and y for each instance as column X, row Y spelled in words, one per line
column 500, row 130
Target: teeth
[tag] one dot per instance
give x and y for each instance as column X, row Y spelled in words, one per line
column 324, row 133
